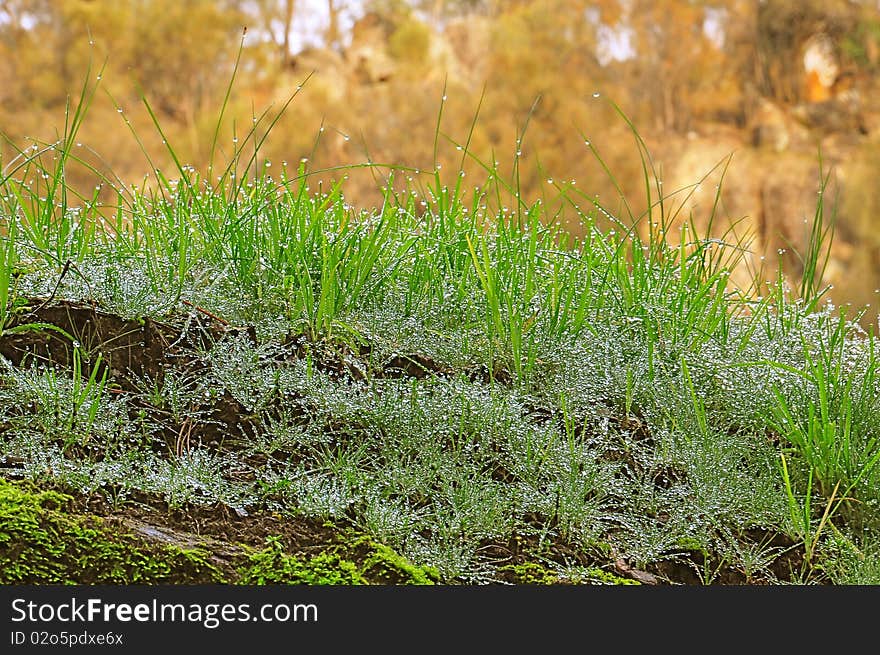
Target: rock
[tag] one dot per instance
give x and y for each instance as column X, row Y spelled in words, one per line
column 769, row 192
column 469, row 41
column 328, row 70
column 841, row 113
column 772, row 128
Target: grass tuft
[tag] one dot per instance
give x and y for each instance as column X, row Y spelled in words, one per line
column 451, row 373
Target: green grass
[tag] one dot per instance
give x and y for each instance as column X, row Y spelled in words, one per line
column 605, row 396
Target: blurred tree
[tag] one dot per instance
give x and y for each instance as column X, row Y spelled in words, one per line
column 543, row 54
column 671, row 65
column 333, row 36
column 783, row 27
column 675, row 61
column 410, row 42
column 276, row 22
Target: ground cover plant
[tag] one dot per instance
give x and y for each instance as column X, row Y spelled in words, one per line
column 245, row 379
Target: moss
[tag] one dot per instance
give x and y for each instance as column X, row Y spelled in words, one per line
column 389, row 567
column 533, row 573
column 42, row 543
column 273, row 565
column 691, row 544
column 530, row 573
column 357, row 562
column 594, row 575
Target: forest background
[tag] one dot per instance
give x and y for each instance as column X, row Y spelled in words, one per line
column 761, row 97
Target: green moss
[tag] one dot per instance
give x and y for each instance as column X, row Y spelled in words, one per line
column 389, row 567
column 273, row 565
column 41, row 542
column 594, row 575
column 530, row 573
column 358, row 562
column 690, row 544
column 533, row 573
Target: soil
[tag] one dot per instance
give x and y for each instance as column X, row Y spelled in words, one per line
column 134, row 349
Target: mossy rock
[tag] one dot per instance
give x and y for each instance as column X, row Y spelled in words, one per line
column 44, row 541
column 358, row 561
column 534, row 573
column 41, row 542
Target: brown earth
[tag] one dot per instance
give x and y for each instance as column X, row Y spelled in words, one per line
column 152, row 347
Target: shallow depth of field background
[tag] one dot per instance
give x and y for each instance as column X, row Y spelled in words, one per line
column 770, row 88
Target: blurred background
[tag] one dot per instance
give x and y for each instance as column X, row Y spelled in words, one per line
column 748, row 90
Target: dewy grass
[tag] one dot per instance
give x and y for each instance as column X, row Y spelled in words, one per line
column 826, row 421
column 451, row 372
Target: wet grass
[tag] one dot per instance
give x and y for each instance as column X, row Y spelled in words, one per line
column 451, row 373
